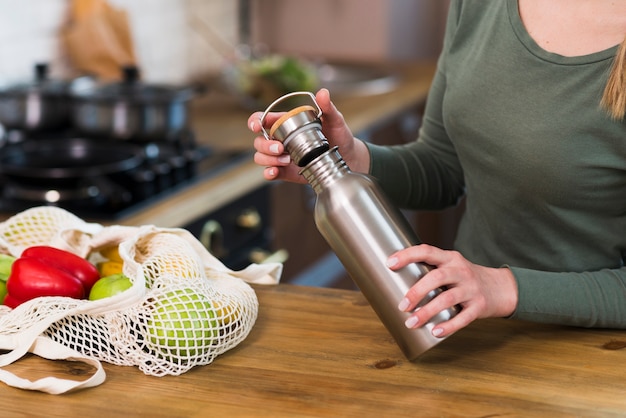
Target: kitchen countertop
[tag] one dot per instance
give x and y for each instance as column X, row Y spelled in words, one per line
column 323, row 353
column 219, row 122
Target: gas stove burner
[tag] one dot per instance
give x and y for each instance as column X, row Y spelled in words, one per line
column 99, row 179
column 98, row 192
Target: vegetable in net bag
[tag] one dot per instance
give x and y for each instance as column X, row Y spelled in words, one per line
column 184, row 307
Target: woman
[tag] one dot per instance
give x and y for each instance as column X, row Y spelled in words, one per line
column 523, row 120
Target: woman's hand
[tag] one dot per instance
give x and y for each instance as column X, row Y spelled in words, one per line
column 482, row 292
column 272, row 155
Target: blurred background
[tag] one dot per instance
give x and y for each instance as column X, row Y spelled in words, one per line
column 178, row 41
column 141, row 102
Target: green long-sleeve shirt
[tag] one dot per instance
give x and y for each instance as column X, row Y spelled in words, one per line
column 519, row 131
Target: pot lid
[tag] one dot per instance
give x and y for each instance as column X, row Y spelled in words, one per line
column 131, row 89
column 41, row 83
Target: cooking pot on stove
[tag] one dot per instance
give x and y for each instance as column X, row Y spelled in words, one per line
column 130, row 109
column 36, row 105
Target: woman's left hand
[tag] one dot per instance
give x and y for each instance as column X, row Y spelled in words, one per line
column 482, row 292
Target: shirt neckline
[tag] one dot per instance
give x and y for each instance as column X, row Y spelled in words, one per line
column 529, row 43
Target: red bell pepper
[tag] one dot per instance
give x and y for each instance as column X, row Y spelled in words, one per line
column 77, row 266
column 48, row 271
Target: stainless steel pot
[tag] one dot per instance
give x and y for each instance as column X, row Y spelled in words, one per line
column 37, row 105
column 130, row 109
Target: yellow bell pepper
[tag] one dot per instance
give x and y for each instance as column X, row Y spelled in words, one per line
column 108, row 268
column 111, row 253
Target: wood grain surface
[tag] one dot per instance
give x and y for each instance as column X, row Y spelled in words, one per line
column 323, row 353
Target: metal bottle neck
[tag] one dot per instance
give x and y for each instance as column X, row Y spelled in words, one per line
column 325, row 170
column 300, row 130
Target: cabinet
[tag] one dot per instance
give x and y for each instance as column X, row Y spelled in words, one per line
column 334, row 30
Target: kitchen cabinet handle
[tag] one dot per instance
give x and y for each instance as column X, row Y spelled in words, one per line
column 249, row 219
column 212, row 237
column 260, row 256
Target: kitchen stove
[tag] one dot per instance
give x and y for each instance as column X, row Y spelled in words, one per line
column 32, row 173
column 119, row 149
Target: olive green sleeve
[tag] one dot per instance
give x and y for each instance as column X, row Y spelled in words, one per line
column 588, row 299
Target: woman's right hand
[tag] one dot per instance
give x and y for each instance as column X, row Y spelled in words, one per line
column 272, row 154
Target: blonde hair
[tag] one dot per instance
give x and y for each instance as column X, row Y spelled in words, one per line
column 614, row 97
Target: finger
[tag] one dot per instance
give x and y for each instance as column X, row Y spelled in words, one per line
column 434, row 279
column 442, row 302
column 322, row 97
column 422, row 253
column 289, row 173
column 271, row 161
column 331, row 116
column 254, row 120
column 269, row 147
column 271, row 173
column 460, row 321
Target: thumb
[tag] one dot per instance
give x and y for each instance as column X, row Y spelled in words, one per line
column 330, row 113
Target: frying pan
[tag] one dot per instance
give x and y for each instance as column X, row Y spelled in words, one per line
column 67, row 159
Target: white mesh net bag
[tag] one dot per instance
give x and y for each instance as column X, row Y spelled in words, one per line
column 184, row 308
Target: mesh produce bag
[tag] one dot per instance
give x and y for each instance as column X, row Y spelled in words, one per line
column 184, row 307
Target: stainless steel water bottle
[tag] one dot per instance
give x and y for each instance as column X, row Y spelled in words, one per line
column 359, row 223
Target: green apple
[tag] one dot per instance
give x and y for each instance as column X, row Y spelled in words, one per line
column 109, row 286
column 6, row 262
column 182, row 324
column 3, row 291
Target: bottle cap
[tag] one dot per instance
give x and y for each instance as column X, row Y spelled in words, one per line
column 300, row 130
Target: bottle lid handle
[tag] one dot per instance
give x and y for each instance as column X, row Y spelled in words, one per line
column 282, row 98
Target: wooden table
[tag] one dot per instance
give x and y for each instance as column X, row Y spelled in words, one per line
column 322, row 352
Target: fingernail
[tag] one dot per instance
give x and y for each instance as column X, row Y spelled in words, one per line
column 252, row 125
column 404, row 304
column 271, row 172
column 284, row 159
column 392, row 261
column 411, row 322
column 437, row 332
column 274, row 149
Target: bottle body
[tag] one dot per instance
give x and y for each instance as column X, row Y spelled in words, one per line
column 363, row 229
column 359, row 223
